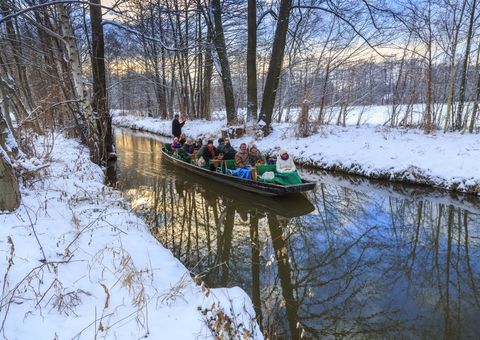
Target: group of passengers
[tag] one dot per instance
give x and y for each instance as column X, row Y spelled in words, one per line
column 244, row 159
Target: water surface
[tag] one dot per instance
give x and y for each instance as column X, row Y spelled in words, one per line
column 355, row 258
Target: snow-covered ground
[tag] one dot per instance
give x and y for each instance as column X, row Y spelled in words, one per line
column 77, row 263
column 441, row 160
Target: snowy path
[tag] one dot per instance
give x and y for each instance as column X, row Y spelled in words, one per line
column 77, row 262
column 449, row 161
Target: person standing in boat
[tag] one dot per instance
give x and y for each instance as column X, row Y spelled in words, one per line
column 177, row 126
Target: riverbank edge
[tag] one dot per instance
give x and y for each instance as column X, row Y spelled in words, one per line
column 74, row 179
column 412, row 175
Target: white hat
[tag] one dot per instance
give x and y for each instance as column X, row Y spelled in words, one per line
column 282, row 152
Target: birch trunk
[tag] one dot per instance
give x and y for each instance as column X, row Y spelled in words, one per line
column 79, row 86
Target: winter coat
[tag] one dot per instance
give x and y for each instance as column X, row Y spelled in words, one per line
column 284, row 166
column 241, row 159
column 221, row 148
column 177, row 128
column 254, row 157
column 175, row 146
column 208, row 155
column 188, row 148
column 228, row 152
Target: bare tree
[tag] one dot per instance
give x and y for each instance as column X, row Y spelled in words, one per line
column 99, row 101
column 252, row 61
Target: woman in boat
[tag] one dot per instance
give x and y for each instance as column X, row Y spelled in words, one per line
column 175, row 145
column 189, row 147
column 254, row 156
column 286, row 171
column 221, row 145
column 198, row 144
column 183, row 139
column 241, row 157
column 228, row 150
column 209, row 153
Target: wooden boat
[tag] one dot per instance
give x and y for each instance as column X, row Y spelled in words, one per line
column 289, row 206
column 266, row 189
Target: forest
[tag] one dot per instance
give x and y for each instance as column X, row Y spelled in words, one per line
column 104, row 235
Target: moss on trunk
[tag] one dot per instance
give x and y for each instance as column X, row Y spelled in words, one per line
column 10, row 193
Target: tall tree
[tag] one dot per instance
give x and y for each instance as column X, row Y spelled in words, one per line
column 252, row 61
column 99, row 99
column 84, row 116
column 463, row 82
column 219, row 39
column 276, row 61
column 456, row 31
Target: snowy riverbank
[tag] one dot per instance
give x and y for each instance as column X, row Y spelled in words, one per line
column 77, row 263
column 448, row 161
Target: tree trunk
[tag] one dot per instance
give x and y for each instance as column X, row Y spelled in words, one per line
column 10, row 197
column 321, row 110
column 207, row 79
column 85, row 116
column 451, row 93
column 15, row 43
column 475, row 104
column 276, row 61
column 252, row 62
column 10, row 192
column 463, row 83
column 219, row 39
column 99, row 100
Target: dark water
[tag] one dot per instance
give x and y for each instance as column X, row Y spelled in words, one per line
column 355, row 259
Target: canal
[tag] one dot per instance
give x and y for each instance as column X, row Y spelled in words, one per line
column 355, row 258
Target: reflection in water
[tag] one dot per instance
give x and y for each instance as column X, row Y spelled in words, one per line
column 366, row 260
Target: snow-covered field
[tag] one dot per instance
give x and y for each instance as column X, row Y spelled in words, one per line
column 441, row 160
column 77, row 263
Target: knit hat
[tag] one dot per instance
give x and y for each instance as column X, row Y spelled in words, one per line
column 282, row 152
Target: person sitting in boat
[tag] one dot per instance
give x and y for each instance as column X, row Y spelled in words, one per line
column 285, row 162
column 221, row 145
column 209, row 152
column 175, row 146
column 189, row 147
column 255, row 157
column 243, row 168
column 183, row 139
column 286, row 171
column 198, row 144
column 241, row 157
column 228, row 150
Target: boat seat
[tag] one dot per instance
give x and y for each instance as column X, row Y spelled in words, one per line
column 226, row 164
column 229, row 164
column 261, row 169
